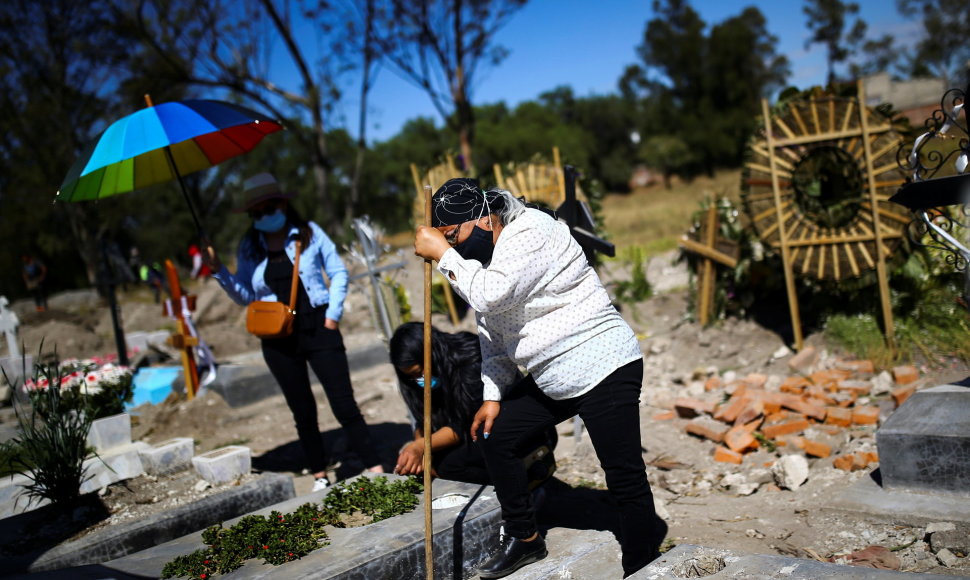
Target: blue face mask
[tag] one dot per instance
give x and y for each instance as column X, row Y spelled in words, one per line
column 434, row 382
column 273, row 222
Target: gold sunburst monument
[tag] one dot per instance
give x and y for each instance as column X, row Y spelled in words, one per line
column 816, row 187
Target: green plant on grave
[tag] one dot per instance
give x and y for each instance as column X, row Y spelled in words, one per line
column 374, row 497
column 637, row 288
column 50, row 448
column 279, row 538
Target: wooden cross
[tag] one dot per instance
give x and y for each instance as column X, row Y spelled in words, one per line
column 709, row 253
column 183, row 339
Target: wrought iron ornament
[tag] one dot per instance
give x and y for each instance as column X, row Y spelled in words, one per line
column 936, row 164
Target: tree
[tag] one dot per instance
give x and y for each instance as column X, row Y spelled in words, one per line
column 827, row 20
column 878, row 55
column 669, row 155
column 228, row 45
column 441, row 46
column 943, row 50
column 60, row 63
column 706, row 87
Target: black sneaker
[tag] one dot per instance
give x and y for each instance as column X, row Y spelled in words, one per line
column 513, row 555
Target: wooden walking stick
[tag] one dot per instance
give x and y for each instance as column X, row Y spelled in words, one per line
column 426, row 429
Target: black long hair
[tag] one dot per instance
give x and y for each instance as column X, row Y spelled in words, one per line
column 456, row 360
column 250, row 242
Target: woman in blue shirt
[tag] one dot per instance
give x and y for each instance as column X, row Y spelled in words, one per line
column 265, row 270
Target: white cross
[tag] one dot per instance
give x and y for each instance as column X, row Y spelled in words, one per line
column 8, row 326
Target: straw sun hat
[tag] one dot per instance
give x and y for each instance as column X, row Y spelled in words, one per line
column 260, row 188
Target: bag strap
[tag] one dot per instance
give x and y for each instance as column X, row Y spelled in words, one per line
column 296, row 277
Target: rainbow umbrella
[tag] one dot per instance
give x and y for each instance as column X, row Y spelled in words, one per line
column 161, row 143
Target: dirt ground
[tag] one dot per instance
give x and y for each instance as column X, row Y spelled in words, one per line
column 704, row 502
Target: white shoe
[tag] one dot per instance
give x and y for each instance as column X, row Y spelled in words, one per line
column 320, row 484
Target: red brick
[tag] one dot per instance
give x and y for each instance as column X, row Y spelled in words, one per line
column 828, row 378
column 829, row 429
column 712, row 384
column 794, row 385
column 754, row 409
column 819, row 395
column 688, row 407
column 795, row 424
column 725, row 455
column 903, row 375
column 845, row 398
column 856, row 366
column 860, row 461
column 735, row 388
column 665, row 416
column 865, row 415
column 860, row 388
column 839, row 416
column 777, row 417
column 871, row 456
column 729, row 411
column 844, row 462
column 739, row 440
column 901, row 393
column 799, row 405
column 816, row 448
column 803, row 361
column 753, row 425
column 707, row 428
column 756, row 380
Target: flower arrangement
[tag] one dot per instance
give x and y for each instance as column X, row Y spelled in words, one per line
column 95, row 386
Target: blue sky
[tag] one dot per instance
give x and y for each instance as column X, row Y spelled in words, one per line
column 586, row 44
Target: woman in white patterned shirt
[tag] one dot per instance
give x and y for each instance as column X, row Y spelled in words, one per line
column 540, row 306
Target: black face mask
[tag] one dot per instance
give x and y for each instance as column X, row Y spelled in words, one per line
column 478, row 246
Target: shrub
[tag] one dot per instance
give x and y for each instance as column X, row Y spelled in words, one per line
column 280, row 538
column 52, row 445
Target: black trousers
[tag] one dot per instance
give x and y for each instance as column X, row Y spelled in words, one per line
column 465, row 462
column 324, row 350
column 462, row 463
column 611, row 414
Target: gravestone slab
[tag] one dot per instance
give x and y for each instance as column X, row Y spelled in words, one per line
column 109, row 432
column 113, row 465
column 120, row 539
column 924, row 446
column 690, row 561
column 169, row 456
column 224, row 464
column 393, row 548
column 14, row 367
column 8, row 327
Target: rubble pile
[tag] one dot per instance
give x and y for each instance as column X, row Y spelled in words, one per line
column 827, row 409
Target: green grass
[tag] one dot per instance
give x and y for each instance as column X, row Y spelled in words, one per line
column 654, row 218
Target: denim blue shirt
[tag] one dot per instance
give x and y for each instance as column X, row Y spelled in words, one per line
column 248, row 283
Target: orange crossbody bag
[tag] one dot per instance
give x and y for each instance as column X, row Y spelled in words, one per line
column 275, row 319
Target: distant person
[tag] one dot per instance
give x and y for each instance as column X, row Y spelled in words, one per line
column 541, row 307
column 456, row 394
column 265, row 271
column 34, row 273
column 200, row 270
column 151, row 274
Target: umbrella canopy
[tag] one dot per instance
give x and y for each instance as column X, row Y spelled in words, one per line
column 140, row 150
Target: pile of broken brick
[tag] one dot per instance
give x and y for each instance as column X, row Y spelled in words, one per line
column 805, row 411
